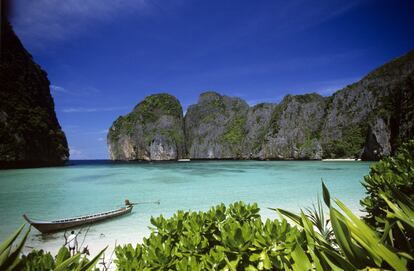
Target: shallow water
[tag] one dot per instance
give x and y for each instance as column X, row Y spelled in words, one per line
column 89, row 187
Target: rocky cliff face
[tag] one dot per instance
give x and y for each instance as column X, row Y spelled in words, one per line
column 374, row 115
column 30, row 134
column 215, row 127
column 256, row 128
column 367, row 119
column 154, row 130
column 294, row 128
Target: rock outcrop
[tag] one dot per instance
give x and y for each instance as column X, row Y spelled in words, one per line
column 215, row 127
column 30, row 134
column 256, row 128
column 367, row 120
column 294, row 128
column 154, row 130
column 373, row 115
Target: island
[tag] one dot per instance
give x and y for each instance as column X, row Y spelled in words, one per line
column 366, row 120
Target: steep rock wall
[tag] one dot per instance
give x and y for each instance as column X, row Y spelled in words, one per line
column 152, row 131
column 295, row 127
column 374, row 115
column 215, row 127
column 30, row 134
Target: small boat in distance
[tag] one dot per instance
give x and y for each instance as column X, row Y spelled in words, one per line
column 62, row 224
column 184, row 160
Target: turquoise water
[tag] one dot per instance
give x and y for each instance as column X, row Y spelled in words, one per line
column 82, row 188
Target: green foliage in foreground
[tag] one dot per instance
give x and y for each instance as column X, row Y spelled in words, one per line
column 356, row 245
column 235, row 238
column 10, row 258
column 218, row 239
column 388, row 175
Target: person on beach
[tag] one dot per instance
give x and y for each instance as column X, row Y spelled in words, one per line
column 72, row 243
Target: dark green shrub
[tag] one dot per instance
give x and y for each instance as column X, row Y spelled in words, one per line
column 349, row 145
column 236, row 132
column 388, row 175
column 233, row 238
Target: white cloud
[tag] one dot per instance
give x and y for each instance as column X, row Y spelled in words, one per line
column 91, row 109
column 81, row 91
column 276, row 99
column 58, row 89
column 75, row 152
column 327, row 88
column 40, row 21
column 327, row 91
column 101, row 139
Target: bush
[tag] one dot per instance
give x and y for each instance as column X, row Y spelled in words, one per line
column 355, row 245
column 237, row 239
column 387, row 176
column 233, row 238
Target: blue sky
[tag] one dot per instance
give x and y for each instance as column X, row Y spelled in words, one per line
column 103, row 57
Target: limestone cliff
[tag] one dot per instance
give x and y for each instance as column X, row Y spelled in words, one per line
column 367, row 120
column 294, row 128
column 215, row 127
column 371, row 117
column 30, row 134
column 152, row 131
column 256, row 128
column 221, row 127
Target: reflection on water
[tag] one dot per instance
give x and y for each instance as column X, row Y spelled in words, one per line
column 330, row 168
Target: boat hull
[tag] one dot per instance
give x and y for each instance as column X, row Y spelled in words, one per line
column 59, row 225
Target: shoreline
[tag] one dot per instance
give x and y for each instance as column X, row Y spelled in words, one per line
column 343, row 160
column 69, row 163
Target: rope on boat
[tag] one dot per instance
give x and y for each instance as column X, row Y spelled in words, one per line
column 146, row 202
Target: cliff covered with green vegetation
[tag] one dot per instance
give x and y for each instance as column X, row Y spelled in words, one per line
column 215, row 127
column 368, row 119
column 30, row 134
column 154, row 130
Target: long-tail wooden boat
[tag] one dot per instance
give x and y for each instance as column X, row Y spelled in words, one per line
column 62, row 224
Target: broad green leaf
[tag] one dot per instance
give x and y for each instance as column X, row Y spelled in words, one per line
column 342, row 234
column 7, row 243
column 370, row 241
column 67, row 262
column 250, row 268
column 62, row 255
column 13, row 258
column 301, row 261
column 343, row 264
column 4, row 255
column 295, row 218
column 231, row 264
column 326, row 196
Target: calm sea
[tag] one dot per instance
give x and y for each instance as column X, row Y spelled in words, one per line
column 92, row 186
